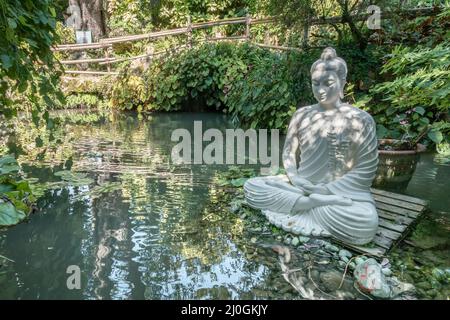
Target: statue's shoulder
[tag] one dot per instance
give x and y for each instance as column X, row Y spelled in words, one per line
column 302, row 111
column 357, row 113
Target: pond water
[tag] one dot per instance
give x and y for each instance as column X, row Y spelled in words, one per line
column 165, row 232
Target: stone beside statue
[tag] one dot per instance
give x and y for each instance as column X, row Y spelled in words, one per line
column 330, row 157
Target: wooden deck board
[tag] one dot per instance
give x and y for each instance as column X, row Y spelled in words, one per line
column 396, row 213
column 397, row 210
column 399, row 203
column 394, row 235
column 399, row 219
column 391, row 226
column 383, row 242
column 398, row 196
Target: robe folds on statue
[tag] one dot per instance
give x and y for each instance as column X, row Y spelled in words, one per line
column 338, row 149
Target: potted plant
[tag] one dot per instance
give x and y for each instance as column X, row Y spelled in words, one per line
column 397, row 162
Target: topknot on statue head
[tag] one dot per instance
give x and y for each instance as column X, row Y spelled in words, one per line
column 329, row 61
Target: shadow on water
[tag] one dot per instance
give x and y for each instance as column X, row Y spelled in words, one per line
column 164, row 234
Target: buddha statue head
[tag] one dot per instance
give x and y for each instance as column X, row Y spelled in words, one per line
column 328, row 77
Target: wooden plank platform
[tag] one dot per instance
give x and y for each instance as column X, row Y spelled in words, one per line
column 396, row 213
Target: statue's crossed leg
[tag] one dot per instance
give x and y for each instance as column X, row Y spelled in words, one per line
column 288, row 206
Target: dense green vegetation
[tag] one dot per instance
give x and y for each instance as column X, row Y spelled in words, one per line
column 413, row 102
column 16, row 196
column 28, row 81
column 418, row 98
column 27, row 66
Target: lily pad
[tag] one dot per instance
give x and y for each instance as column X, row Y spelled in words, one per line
column 97, row 191
column 76, row 179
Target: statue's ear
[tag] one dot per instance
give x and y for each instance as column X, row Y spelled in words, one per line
column 343, row 83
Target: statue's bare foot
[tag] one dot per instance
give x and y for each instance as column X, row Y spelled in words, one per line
column 323, row 200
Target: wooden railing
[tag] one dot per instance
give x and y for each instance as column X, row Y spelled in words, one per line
column 106, row 44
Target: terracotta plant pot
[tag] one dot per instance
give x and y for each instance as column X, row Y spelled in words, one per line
column 396, row 167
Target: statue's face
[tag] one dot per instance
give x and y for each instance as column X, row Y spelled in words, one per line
column 326, row 87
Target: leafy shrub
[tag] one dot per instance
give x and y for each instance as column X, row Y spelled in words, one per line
column 84, row 101
column 16, row 195
column 270, row 92
column 27, row 66
column 129, row 92
column 203, row 74
column 100, row 86
column 415, row 104
column 424, row 30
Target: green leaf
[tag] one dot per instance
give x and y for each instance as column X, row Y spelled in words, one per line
column 22, row 20
column 48, row 101
column 381, row 131
column 390, row 111
column 50, row 124
column 238, row 182
column 8, row 164
column 39, row 142
column 74, row 178
column 6, row 187
column 419, row 110
column 11, row 23
column 9, row 215
column 435, row 136
column 6, row 61
column 424, row 121
column 443, row 149
column 22, row 86
column 23, row 186
column 35, row 117
column 8, row 159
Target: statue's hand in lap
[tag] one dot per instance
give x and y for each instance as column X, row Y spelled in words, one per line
column 318, row 200
column 300, row 182
column 309, row 188
column 315, row 195
column 317, row 189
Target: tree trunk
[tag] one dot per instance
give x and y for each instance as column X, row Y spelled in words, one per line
column 357, row 35
column 92, row 17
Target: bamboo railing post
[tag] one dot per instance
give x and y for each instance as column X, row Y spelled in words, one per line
column 305, row 35
column 189, row 32
column 108, row 66
column 247, row 26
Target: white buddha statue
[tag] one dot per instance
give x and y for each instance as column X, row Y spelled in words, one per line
column 326, row 191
